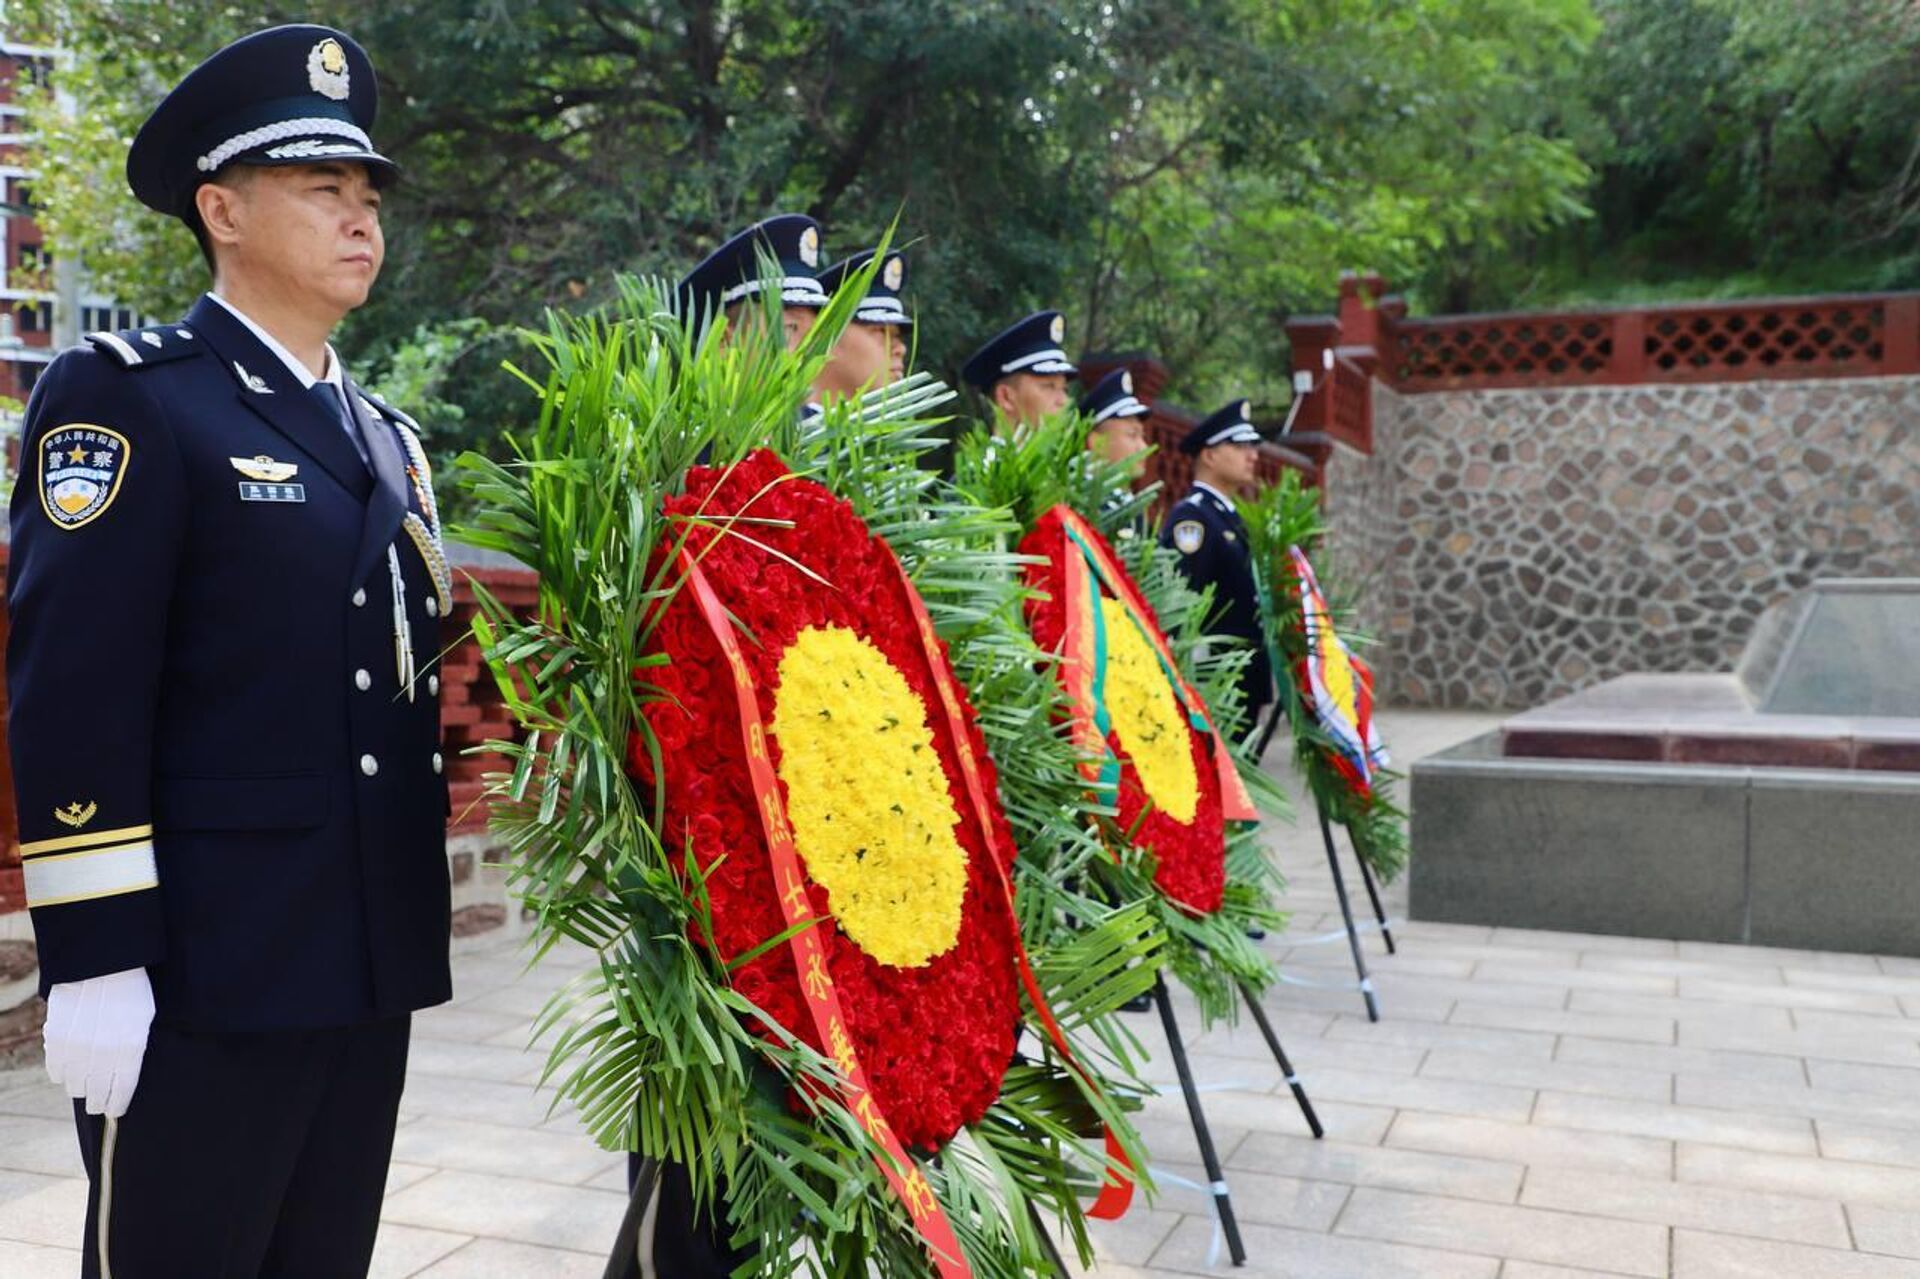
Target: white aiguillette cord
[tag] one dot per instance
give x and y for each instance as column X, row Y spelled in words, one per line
column 403, row 667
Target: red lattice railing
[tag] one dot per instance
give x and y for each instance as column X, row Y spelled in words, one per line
column 1849, row 336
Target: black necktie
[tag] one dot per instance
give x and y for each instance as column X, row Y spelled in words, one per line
column 327, row 396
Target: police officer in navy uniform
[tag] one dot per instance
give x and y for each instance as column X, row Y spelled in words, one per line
column 729, row 281
column 1022, row 370
column 1208, row 532
column 225, row 588
column 872, row 350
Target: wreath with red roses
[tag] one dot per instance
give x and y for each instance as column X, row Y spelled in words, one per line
column 1190, row 856
column 935, row 1038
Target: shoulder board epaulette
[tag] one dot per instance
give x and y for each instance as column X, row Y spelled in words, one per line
column 382, row 409
column 142, row 348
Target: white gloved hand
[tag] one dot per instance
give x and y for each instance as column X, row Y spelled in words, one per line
column 96, row 1037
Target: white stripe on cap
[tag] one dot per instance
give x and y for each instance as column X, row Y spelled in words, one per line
column 793, row 288
column 1237, row 433
column 1126, row 406
column 282, row 131
column 83, row 876
column 1051, row 354
column 888, row 312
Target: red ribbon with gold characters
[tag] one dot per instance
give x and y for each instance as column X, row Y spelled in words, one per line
column 1116, row 1191
column 809, row 956
column 1236, row 804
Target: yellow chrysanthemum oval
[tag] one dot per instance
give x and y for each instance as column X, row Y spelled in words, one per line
column 1147, row 717
column 868, row 798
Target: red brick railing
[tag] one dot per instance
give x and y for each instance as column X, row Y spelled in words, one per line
column 1851, row 335
column 471, row 714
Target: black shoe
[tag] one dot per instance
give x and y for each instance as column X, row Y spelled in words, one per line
column 1256, row 934
column 1138, row 1004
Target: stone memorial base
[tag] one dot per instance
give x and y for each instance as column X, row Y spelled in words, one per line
column 1819, row 859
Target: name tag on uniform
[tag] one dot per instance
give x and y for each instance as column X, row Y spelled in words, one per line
column 255, row 491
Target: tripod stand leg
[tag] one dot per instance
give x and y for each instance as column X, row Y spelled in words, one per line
column 1280, row 1057
column 1346, row 912
column 624, row 1262
column 1054, row 1259
column 1216, row 1180
column 1373, row 894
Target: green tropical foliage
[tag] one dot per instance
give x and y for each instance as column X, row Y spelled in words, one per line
column 651, row 1044
column 1287, row 514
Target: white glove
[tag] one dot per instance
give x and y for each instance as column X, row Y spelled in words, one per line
column 96, row 1037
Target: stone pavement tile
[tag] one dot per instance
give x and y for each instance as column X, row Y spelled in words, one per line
column 1401, row 1005
column 1518, row 1043
column 1442, row 1096
column 1432, row 931
column 1502, row 1230
column 1534, row 1270
column 1838, row 1179
column 1134, row 1238
column 1534, row 1147
column 1698, row 1255
column 1560, row 1076
column 1216, row 1071
column 48, row 1146
column 498, row 1259
column 1644, row 1030
column 1491, row 952
column 1607, row 962
column 1778, row 957
column 450, row 1097
column 464, row 1025
column 401, row 1175
column 42, row 1210
column 1571, row 979
column 1294, row 1026
column 1846, row 999
column 564, row 1158
column 1275, row 1253
column 614, row 1178
column 1309, row 1055
column 1170, row 1139
column 1899, row 965
column 1904, row 1030
column 1670, row 1203
column 1869, row 1143
column 471, row 1203
column 1889, row 984
column 38, row 1100
column 1649, row 947
column 400, row 1251
column 31, row 1261
column 1880, row 1049
column 1405, row 964
column 1761, row 1067
column 1258, row 1196
column 1480, row 989
column 1384, row 1166
column 471, row 1061
column 1847, row 1076
column 1615, row 1003
column 525, row 1000
column 1889, row 1230
column 1271, row 1112
column 1780, row 1134
column 1790, row 1099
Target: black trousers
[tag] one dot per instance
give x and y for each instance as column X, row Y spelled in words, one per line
column 246, row 1156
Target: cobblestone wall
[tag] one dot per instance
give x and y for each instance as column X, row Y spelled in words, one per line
column 1360, row 568
column 1545, row 540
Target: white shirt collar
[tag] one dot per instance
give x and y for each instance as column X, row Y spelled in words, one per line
column 1206, row 487
column 294, row 366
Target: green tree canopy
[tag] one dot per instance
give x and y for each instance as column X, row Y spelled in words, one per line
column 1178, row 175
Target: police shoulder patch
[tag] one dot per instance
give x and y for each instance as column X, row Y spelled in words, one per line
column 1188, row 535
column 81, row 469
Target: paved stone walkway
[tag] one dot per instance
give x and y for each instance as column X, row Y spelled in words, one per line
column 1533, row 1106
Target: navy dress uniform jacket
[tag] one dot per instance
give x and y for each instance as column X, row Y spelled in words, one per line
column 1212, row 540
column 219, row 775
